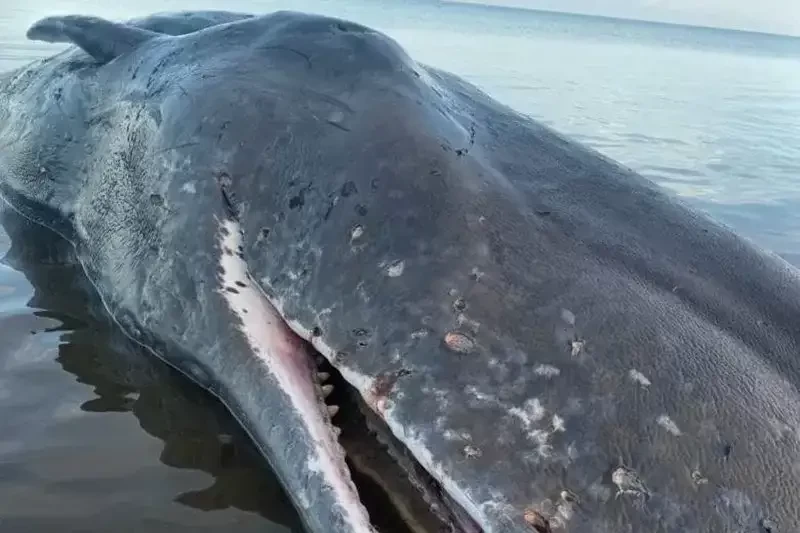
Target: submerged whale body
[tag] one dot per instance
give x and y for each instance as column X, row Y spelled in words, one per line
column 543, row 339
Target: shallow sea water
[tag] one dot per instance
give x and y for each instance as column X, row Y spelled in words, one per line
column 95, row 436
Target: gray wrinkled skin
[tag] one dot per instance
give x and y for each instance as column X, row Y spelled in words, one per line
column 537, row 316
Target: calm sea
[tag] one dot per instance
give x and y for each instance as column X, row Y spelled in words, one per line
column 96, row 438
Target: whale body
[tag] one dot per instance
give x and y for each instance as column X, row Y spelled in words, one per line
column 544, row 339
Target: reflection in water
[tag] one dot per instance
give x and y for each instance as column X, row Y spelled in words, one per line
column 196, row 432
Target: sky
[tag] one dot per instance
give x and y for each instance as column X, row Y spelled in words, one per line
column 772, row 16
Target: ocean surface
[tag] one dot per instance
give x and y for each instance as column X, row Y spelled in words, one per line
column 96, row 437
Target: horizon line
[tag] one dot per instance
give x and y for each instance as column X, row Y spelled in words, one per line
column 479, row 3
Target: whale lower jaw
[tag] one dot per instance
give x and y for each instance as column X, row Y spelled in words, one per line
column 282, row 346
column 285, row 357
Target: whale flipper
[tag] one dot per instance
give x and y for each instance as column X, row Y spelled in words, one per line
column 100, row 38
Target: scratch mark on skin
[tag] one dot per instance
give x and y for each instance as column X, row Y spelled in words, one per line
column 285, row 49
column 337, row 125
column 176, row 147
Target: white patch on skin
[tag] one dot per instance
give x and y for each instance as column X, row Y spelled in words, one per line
column 362, row 293
column 568, row 316
column 577, row 346
column 540, row 436
column 563, row 514
column 558, row 423
column 532, row 412
column 442, row 397
column 463, row 321
column 356, row 232
column 189, row 187
column 336, row 117
column 472, row 451
column 271, row 342
column 572, row 451
column 448, row 434
column 638, row 377
column 547, row 371
column 395, row 269
column 667, row 423
column 471, row 389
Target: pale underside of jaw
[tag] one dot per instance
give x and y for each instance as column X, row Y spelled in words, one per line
column 284, row 355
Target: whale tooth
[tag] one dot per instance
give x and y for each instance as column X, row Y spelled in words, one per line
column 333, row 409
column 323, row 376
column 327, row 390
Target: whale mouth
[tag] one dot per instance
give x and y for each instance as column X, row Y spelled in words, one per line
column 302, row 367
column 374, row 453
